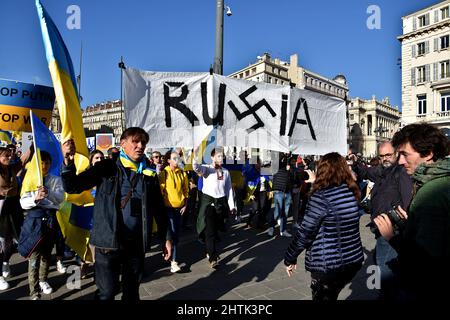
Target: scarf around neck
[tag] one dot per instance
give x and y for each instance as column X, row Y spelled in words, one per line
column 138, row 167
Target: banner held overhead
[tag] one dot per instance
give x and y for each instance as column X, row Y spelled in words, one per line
column 179, row 109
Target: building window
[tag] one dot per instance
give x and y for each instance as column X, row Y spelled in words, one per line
column 445, row 101
column 421, row 48
column 445, row 69
column 424, row 20
column 276, row 81
column 445, row 12
column 270, row 80
column 421, row 104
column 247, row 73
column 254, row 70
column 352, row 116
column 445, row 42
column 421, row 74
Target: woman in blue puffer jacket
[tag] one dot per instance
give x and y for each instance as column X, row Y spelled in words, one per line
column 329, row 231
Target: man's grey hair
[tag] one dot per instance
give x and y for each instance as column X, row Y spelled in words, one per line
column 382, row 144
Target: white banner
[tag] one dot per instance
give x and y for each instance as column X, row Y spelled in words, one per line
column 181, row 109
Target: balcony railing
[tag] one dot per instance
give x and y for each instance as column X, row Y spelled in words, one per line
column 443, row 114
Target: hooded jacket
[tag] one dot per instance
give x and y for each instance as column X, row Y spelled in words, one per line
column 424, row 247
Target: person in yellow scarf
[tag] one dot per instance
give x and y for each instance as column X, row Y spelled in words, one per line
column 128, row 197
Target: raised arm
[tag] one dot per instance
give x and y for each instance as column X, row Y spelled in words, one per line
column 73, row 183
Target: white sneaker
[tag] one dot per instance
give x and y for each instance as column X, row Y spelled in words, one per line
column 279, row 221
column 60, row 267
column 3, row 284
column 174, row 267
column 270, row 231
column 45, row 287
column 6, row 271
column 285, row 234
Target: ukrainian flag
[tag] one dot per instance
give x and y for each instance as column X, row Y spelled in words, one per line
column 44, row 140
column 63, row 78
column 6, row 137
column 207, row 145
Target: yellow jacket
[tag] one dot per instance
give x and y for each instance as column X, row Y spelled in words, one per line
column 174, row 187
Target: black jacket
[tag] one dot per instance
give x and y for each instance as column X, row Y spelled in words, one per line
column 393, row 186
column 106, row 231
column 283, row 180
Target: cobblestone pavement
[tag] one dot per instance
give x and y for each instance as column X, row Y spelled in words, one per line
column 251, row 267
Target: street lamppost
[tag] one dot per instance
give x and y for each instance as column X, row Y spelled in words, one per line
column 121, row 67
column 218, row 54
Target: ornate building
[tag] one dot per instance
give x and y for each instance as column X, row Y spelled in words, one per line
column 426, row 65
column 105, row 117
column 276, row 71
column 371, row 122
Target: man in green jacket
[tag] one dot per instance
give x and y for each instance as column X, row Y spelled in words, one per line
column 424, row 247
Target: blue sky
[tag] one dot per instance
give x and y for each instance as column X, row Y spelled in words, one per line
column 329, row 36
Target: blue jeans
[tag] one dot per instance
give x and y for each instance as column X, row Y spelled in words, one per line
column 385, row 255
column 175, row 226
column 282, row 203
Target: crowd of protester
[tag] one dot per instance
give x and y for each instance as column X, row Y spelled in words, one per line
column 405, row 189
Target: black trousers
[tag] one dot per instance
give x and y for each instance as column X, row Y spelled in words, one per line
column 327, row 286
column 127, row 261
column 259, row 210
column 60, row 242
column 211, row 232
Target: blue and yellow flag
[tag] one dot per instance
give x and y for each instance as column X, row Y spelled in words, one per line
column 6, row 137
column 63, row 78
column 76, row 223
column 207, row 145
column 44, row 140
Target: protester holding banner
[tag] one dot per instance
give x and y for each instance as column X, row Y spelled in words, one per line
column 216, row 202
column 174, row 185
column 40, row 229
column 127, row 199
column 11, row 217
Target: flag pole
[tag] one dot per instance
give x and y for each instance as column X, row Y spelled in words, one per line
column 36, row 151
column 79, row 75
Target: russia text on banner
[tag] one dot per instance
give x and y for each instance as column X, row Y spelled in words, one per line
column 16, row 101
column 63, row 78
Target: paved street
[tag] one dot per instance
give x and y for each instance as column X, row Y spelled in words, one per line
column 251, row 267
